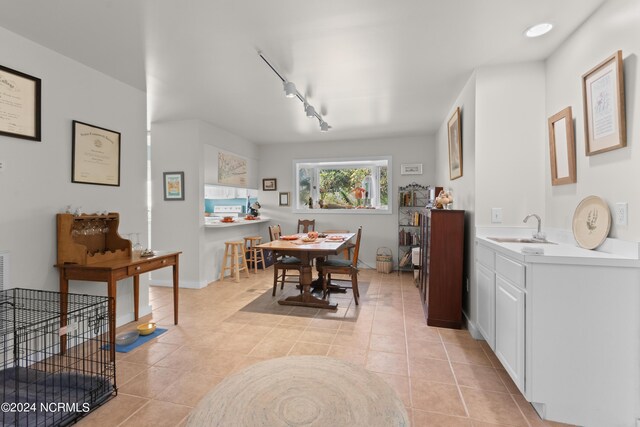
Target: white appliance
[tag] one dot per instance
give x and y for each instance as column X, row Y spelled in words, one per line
column 220, row 212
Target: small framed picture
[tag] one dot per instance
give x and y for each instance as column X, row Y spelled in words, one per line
column 269, row 184
column 411, row 169
column 173, row 185
column 604, row 109
column 284, row 199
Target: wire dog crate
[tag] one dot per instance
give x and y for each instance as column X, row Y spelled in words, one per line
column 51, row 375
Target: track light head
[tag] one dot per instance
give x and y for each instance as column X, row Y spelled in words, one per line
column 310, row 111
column 289, row 89
column 324, row 126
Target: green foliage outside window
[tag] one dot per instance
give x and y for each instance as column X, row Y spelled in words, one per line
column 340, row 184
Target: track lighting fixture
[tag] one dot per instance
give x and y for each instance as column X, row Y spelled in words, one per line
column 290, row 91
column 310, row 111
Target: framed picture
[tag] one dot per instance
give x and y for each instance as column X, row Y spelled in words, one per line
column 455, row 145
column 411, row 169
column 95, row 157
column 173, row 185
column 269, row 184
column 562, row 148
column 232, row 170
column 19, row 105
column 284, row 199
column 604, row 116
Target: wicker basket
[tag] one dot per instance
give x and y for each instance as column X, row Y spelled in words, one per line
column 384, row 260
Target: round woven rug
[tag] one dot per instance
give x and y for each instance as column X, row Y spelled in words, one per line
column 301, row 391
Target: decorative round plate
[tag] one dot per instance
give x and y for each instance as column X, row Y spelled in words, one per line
column 336, row 238
column 591, row 222
column 292, row 237
column 308, row 239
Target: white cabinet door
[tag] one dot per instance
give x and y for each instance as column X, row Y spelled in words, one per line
column 510, row 329
column 486, row 285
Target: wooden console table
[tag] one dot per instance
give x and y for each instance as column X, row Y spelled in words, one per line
column 111, row 271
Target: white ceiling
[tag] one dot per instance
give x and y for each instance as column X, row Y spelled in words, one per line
column 373, row 68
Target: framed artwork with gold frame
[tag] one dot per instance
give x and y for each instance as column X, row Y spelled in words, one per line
column 562, row 148
column 605, row 126
column 455, row 145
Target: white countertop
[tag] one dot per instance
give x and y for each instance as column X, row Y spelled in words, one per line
column 613, row 252
column 211, row 223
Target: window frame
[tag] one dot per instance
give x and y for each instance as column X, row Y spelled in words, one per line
column 343, row 163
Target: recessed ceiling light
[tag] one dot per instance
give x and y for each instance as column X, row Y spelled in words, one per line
column 538, row 30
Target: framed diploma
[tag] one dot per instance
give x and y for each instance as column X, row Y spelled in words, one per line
column 604, row 116
column 95, row 155
column 19, row 105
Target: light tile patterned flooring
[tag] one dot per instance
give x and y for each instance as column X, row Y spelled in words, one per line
column 444, row 376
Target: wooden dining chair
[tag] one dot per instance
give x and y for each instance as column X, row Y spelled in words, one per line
column 342, row 266
column 306, row 225
column 348, row 247
column 283, row 264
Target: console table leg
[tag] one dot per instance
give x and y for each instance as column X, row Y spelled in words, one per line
column 111, row 293
column 175, row 292
column 136, row 296
column 64, row 292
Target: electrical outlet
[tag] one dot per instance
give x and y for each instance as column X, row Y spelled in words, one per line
column 467, row 285
column 496, row 215
column 1, row 165
column 621, row 214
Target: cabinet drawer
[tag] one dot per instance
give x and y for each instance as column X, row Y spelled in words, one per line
column 150, row 265
column 510, row 270
column 485, row 256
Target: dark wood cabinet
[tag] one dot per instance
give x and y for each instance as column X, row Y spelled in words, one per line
column 441, row 271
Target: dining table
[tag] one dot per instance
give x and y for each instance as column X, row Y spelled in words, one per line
column 308, row 249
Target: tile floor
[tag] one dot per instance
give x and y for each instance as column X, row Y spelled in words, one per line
column 444, row 376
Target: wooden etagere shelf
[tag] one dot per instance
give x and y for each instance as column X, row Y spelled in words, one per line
column 90, row 239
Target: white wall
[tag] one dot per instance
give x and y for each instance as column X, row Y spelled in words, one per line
column 192, row 146
column 613, row 175
column 175, row 223
column 276, row 161
column 36, row 181
column 510, row 142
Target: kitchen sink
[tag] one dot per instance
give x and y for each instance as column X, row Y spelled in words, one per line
column 519, row 240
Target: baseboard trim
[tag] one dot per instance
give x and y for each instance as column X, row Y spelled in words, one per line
column 471, row 327
column 187, row 284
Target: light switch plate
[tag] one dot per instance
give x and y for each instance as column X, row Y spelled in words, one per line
column 496, row 215
column 621, row 214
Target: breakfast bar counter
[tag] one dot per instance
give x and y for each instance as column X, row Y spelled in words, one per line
column 211, row 223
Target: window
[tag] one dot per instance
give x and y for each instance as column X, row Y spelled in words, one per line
column 345, row 184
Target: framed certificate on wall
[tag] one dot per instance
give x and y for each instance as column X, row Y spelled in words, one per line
column 95, row 155
column 19, row 105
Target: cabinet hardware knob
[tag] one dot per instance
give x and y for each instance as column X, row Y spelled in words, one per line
column 137, row 268
column 164, row 261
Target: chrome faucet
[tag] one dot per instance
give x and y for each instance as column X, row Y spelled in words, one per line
column 539, row 235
